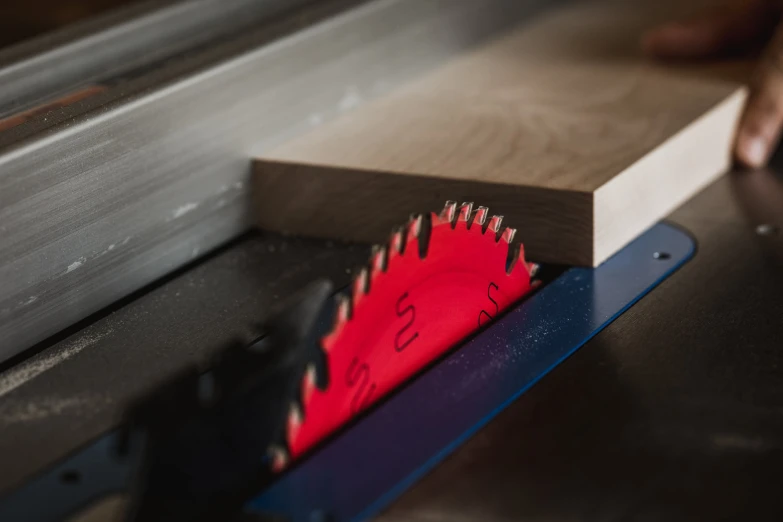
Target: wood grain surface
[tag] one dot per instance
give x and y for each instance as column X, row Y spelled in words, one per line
column 561, row 125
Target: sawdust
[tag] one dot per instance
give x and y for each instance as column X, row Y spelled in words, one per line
column 76, row 264
column 43, row 408
column 183, row 209
column 28, row 370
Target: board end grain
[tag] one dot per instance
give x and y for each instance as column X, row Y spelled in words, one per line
column 665, row 178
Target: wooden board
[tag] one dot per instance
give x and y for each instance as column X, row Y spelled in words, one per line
column 561, row 125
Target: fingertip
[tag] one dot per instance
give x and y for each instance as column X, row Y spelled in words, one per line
column 762, row 119
column 751, row 150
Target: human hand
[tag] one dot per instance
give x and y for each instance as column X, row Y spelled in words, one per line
column 742, row 26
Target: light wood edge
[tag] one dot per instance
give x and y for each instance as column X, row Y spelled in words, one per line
column 364, row 206
column 665, row 178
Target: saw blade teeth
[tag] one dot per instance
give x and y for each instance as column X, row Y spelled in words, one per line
column 380, row 259
column 512, row 260
column 480, row 217
column 508, row 235
column 519, row 258
column 494, row 225
column 295, row 416
column 415, row 225
column 465, row 211
column 278, row 457
column 424, row 232
column 397, row 241
column 449, row 212
column 343, row 309
column 361, row 285
column 309, row 382
column 532, row 268
column 295, row 419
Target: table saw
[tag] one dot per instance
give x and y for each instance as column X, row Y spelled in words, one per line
column 162, row 359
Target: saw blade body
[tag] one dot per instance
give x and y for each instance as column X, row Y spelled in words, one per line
column 438, row 280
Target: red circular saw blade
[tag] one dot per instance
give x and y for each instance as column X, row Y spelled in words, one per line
column 405, row 311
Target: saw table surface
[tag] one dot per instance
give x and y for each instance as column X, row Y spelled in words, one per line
column 672, row 412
